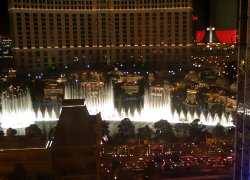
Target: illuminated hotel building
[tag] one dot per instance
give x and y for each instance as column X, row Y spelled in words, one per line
column 62, row 32
column 242, row 141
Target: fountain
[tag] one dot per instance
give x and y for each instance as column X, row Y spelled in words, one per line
column 17, row 110
column 154, row 108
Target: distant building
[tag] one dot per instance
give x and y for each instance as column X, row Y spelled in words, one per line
column 5, row 47
column 191, row 99
column 242, row 141
column 130, row 88
column 130, row 78
column 229, row 102
column 92, row 76
column 95, row 89
column 83, row 32
column 53, row 91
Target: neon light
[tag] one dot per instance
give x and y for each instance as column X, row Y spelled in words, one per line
column 200, row 35
column 195, row 18
column 224, row 36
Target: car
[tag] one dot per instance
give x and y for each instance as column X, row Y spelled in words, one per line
column 177, row 166
column 212, row 161
column 192, row 165
column 218, row 165
column 203, row 159
column 229, row 159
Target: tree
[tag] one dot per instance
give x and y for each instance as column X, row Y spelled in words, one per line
column 126, row 129
column 33, row 130
column 207, row 134
column 181, row 130
column 144, row 133
column 196, row 130
column 105, row 128
column 1, row 133
column 231, row 133
column 164, row 130
column 11, row 132
column 218, row 131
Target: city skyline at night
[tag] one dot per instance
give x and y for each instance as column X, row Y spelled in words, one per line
column 111, row 89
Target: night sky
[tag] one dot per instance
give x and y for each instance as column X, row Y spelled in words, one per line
column 219, row 13
column 4, row 18
column 201, row 10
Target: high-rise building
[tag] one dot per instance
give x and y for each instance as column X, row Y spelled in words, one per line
column 242, row 141
column 62, row 32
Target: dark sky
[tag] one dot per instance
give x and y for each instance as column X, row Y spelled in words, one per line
column 4, row 18
column 201, row 10
column 221, row 14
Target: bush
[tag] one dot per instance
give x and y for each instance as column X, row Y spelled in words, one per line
column 33, row 130
column 11, row 132
column 1, row 133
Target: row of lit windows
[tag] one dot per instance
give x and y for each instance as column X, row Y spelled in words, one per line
column 121, row 40
column 41, row 58
column 128, row 17
column 103, row 52
column 108, row 4
column 124, row 16
column 122, row 33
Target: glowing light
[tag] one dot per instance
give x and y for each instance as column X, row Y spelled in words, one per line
column 154, row 108
column 17, row 111
column 224, row 36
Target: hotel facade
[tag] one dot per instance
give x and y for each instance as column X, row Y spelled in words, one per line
column 49, row 33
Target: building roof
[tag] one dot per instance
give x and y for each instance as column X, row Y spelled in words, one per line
column 73, row 102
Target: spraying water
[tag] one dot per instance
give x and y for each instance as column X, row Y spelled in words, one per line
column 17, row 110
column 154, row 108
